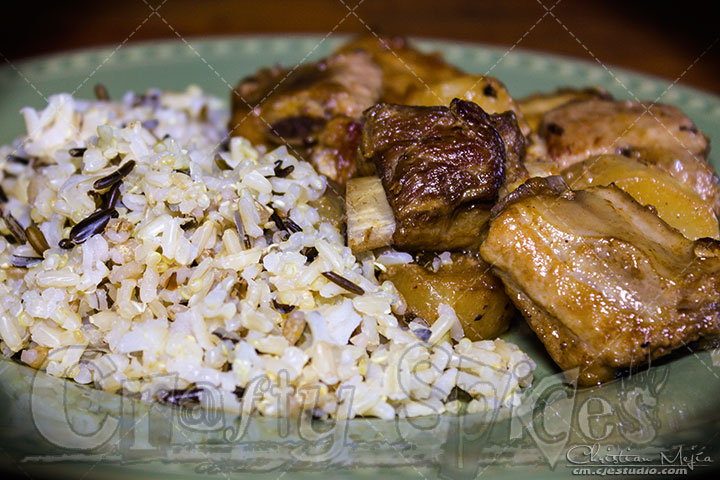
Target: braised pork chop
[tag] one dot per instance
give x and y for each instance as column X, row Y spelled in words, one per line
column 603, row 282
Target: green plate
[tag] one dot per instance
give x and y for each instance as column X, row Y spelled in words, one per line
column 663, row 418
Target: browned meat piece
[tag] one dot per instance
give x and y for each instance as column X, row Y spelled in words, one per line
column 535, row 106
column 315, row 109
column 664, row 137
column 442, row 169
column 466, row 284
column 335, row 153
column 604, row 283
column 578, row 130
column 404, row 68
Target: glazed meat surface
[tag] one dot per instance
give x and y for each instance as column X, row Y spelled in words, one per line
column 604, row 283
column 404, row 68
column 665, row 137
column 442, row 169
column 535, row 106
column 577, row 130
column 315, row 109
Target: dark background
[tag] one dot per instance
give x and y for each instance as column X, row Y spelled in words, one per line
column 657, row 37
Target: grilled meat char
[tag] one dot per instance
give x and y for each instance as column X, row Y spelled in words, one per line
column 442, row 169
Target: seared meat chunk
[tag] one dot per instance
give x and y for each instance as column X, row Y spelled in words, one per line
column 466, row 284
column 442, row 169
column 315, row 109
column 404, row 68
column 535, row 106
column 578, row 130
column 664, row 136
column 604, row 283
column 335, row 151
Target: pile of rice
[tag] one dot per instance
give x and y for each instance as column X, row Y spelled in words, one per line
column 185, row 295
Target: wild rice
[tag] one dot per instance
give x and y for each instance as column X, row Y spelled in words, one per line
column 115, row 176
column 36, row 239
column 77, row 152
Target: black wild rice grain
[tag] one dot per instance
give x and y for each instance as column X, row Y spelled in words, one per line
column 77, row 152
column 282, row 308
column 112, row 196
column 190, row 396
column 95, row 223
column 189, row 223
column 24, row 262
column 281, row 172
column 343, row 282
column 14, row 226
column 292, row 226
column 115, row 176
column 241, row 230
column 18, row 159
column 310, row 253
column 278, row 221
column 225, row 335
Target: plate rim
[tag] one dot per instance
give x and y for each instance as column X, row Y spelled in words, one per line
column 432, row 41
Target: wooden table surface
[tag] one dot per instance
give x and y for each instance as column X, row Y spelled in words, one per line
column 667, row 39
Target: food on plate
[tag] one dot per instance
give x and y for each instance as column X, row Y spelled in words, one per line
column 372, row 224
column 442, row 168
column 675, row 202
column 141, row 255
column 461, row 280
column 314, row 108
column 605, row 284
